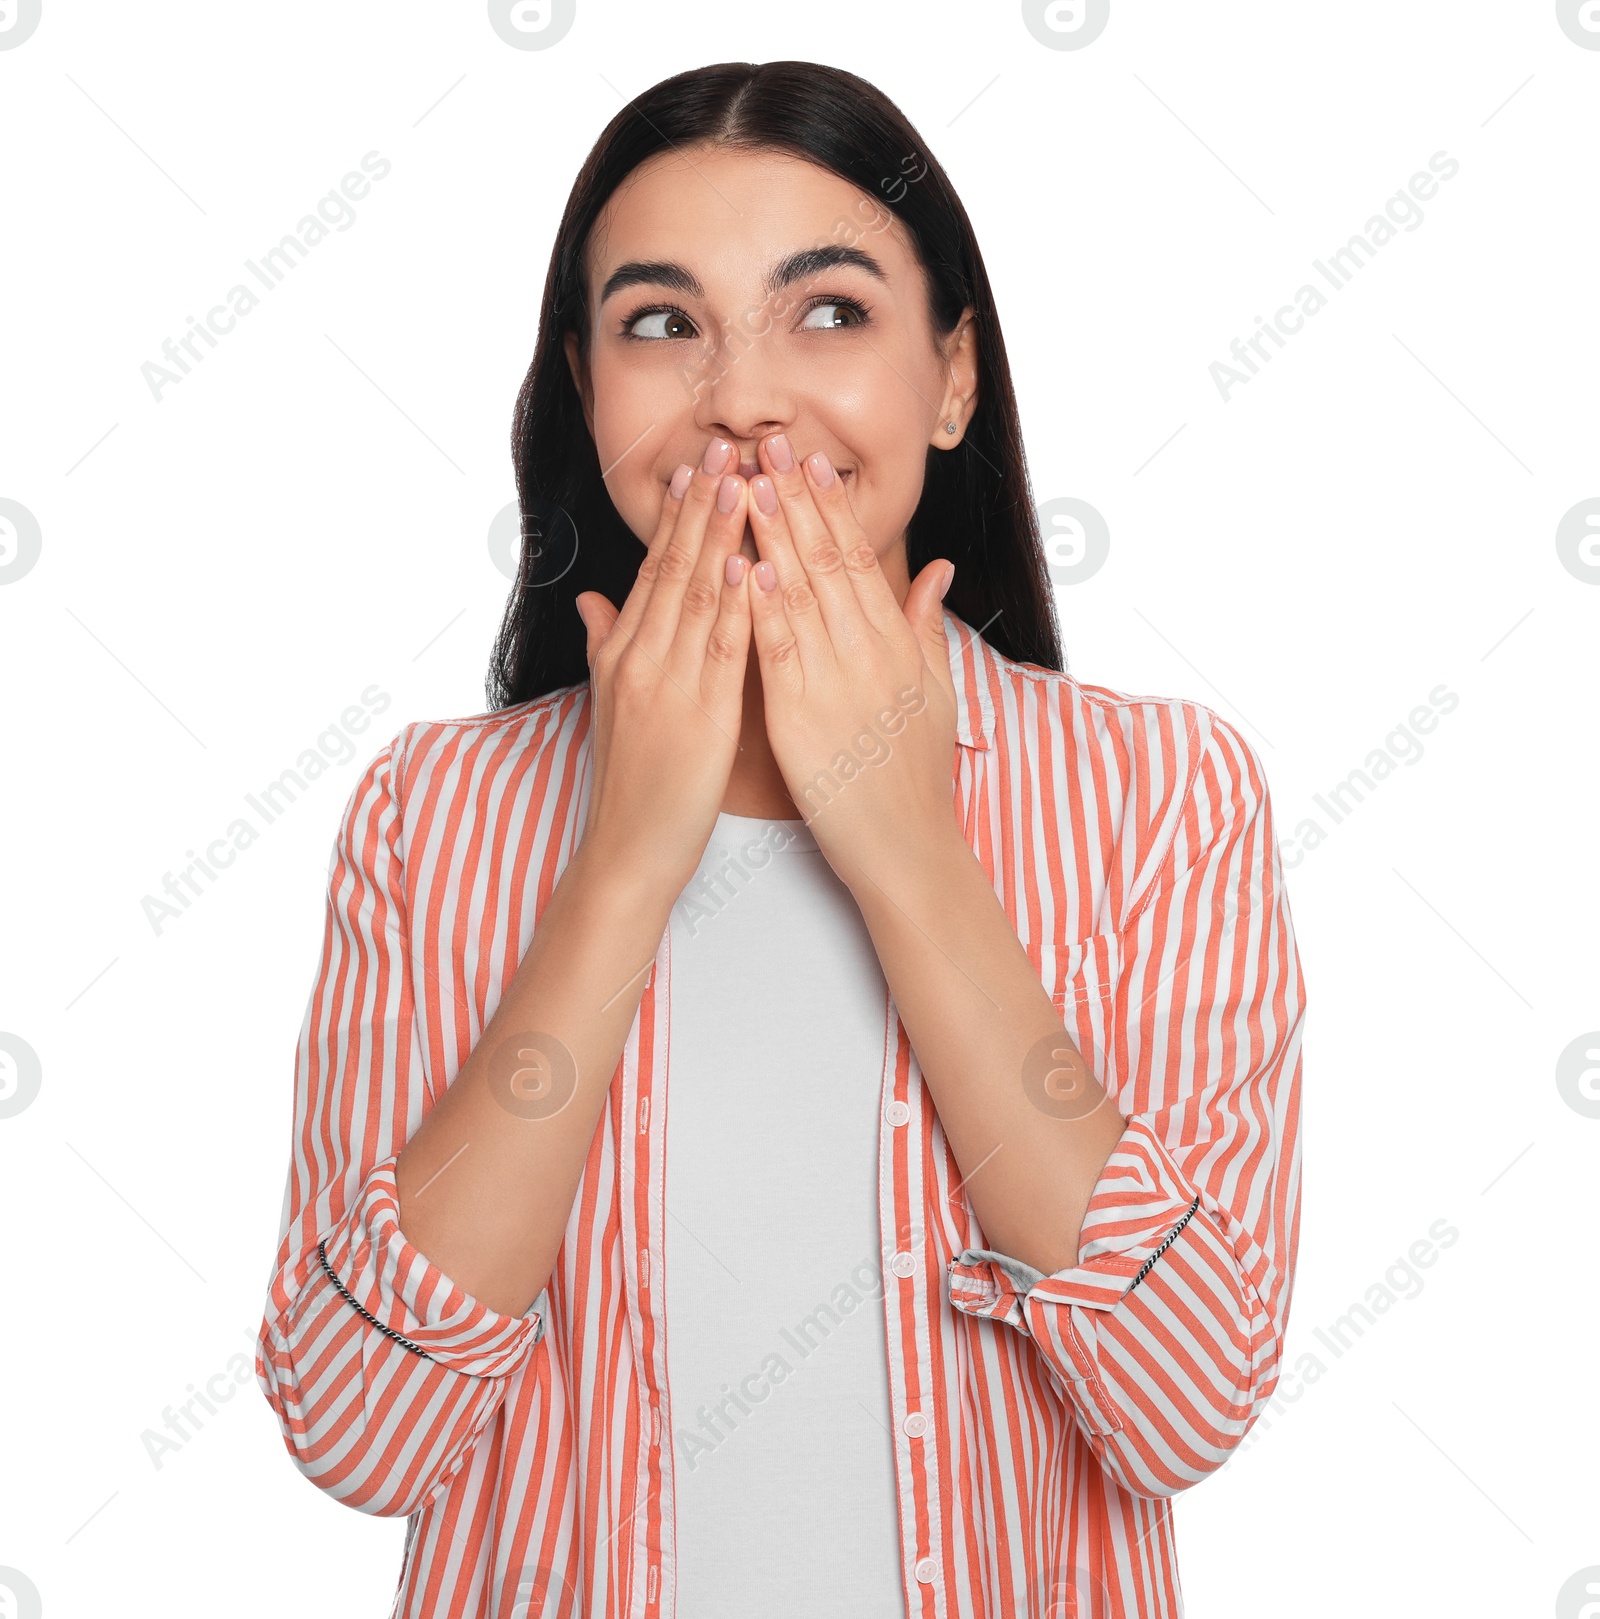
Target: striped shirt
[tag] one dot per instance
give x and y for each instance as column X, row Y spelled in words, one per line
column 1042, row 1424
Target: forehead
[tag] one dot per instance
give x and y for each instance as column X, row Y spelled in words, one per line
column 729, row 214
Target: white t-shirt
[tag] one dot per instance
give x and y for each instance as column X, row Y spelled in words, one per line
column 776, row 1350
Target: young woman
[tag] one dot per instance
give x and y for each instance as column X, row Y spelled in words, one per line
column 798, row 1111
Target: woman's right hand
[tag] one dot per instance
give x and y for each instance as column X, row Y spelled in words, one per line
column 667, row 677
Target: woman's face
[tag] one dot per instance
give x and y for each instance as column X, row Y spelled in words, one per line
column 737, row 294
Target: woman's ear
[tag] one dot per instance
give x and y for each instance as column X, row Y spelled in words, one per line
column 580, row 378
column 960, row 351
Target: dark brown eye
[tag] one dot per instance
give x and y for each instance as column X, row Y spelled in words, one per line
column 821, row 317
column 654, row 323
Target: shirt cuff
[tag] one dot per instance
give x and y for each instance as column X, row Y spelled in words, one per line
column 412, row 1301
column 1140, row 1202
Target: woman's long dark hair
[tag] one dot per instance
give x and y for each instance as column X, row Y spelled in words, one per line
column 976, row 508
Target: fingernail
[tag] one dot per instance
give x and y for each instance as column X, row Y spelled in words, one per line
column 766, row 495
column 766, row 577
column 733, row 569
column 727, row 494
column 680, row 481
column 949, row 579
column 821, row 469
column 716, row 454
column 782, row 456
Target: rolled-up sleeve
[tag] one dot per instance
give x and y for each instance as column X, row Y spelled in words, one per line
column 382, row 1372
column 1165, row 1337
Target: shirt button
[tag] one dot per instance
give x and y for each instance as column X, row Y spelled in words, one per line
column 926, row 1570
column 903, row 1264
column 897, row 1113
column 916, row 1425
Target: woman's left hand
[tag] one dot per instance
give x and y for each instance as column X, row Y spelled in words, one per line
column 860, row 704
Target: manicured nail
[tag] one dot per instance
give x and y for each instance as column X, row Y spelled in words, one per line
column 733, row 569
column 766, row 495
column 716, row 453
column 727, row 494
column 766, row 577
column 680, row 481
column 782, row 456
column 949, row 579
column 821, row 469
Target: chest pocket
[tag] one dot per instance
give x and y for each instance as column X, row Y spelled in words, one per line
column 1082, row 980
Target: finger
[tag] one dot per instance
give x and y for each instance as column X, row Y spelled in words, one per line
column 873, row 592
column 777, row 649
column 805, row 626
column 599, row 619
column 810, row 564
column 702, row 594
column 669, row 569
column 825, row 539
column 727, row 648
column 924, row 614
column 671, row 510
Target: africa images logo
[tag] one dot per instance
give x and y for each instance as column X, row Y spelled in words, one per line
column 1066, row 25
column 18, row 19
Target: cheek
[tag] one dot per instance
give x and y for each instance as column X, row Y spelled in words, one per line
column 889, row 453
column 881, row 426
column 634, row 416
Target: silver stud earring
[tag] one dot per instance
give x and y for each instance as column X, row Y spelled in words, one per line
column 949, row 427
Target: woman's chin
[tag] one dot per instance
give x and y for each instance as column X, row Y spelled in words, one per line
column 747, row 545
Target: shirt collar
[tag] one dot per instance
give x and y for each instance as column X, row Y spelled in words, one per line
column 972, row 668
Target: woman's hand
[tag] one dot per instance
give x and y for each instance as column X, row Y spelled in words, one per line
column 860, row 705
column 668, row 675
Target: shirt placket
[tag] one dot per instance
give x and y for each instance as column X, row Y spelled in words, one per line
column 909, row 1293
column 649, row 1584
column 914, row 1284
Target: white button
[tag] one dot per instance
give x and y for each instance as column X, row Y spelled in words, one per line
column 897, row 1113
column 926, row 1570
column 903, row 1264
column 916, row 1425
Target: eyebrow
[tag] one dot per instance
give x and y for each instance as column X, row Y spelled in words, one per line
column 800, row 266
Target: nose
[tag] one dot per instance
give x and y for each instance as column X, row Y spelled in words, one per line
column 744, row 397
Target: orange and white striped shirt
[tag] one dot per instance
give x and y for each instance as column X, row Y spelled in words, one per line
column 1042, row 1424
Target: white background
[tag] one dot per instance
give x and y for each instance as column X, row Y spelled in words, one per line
column 305, row 516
